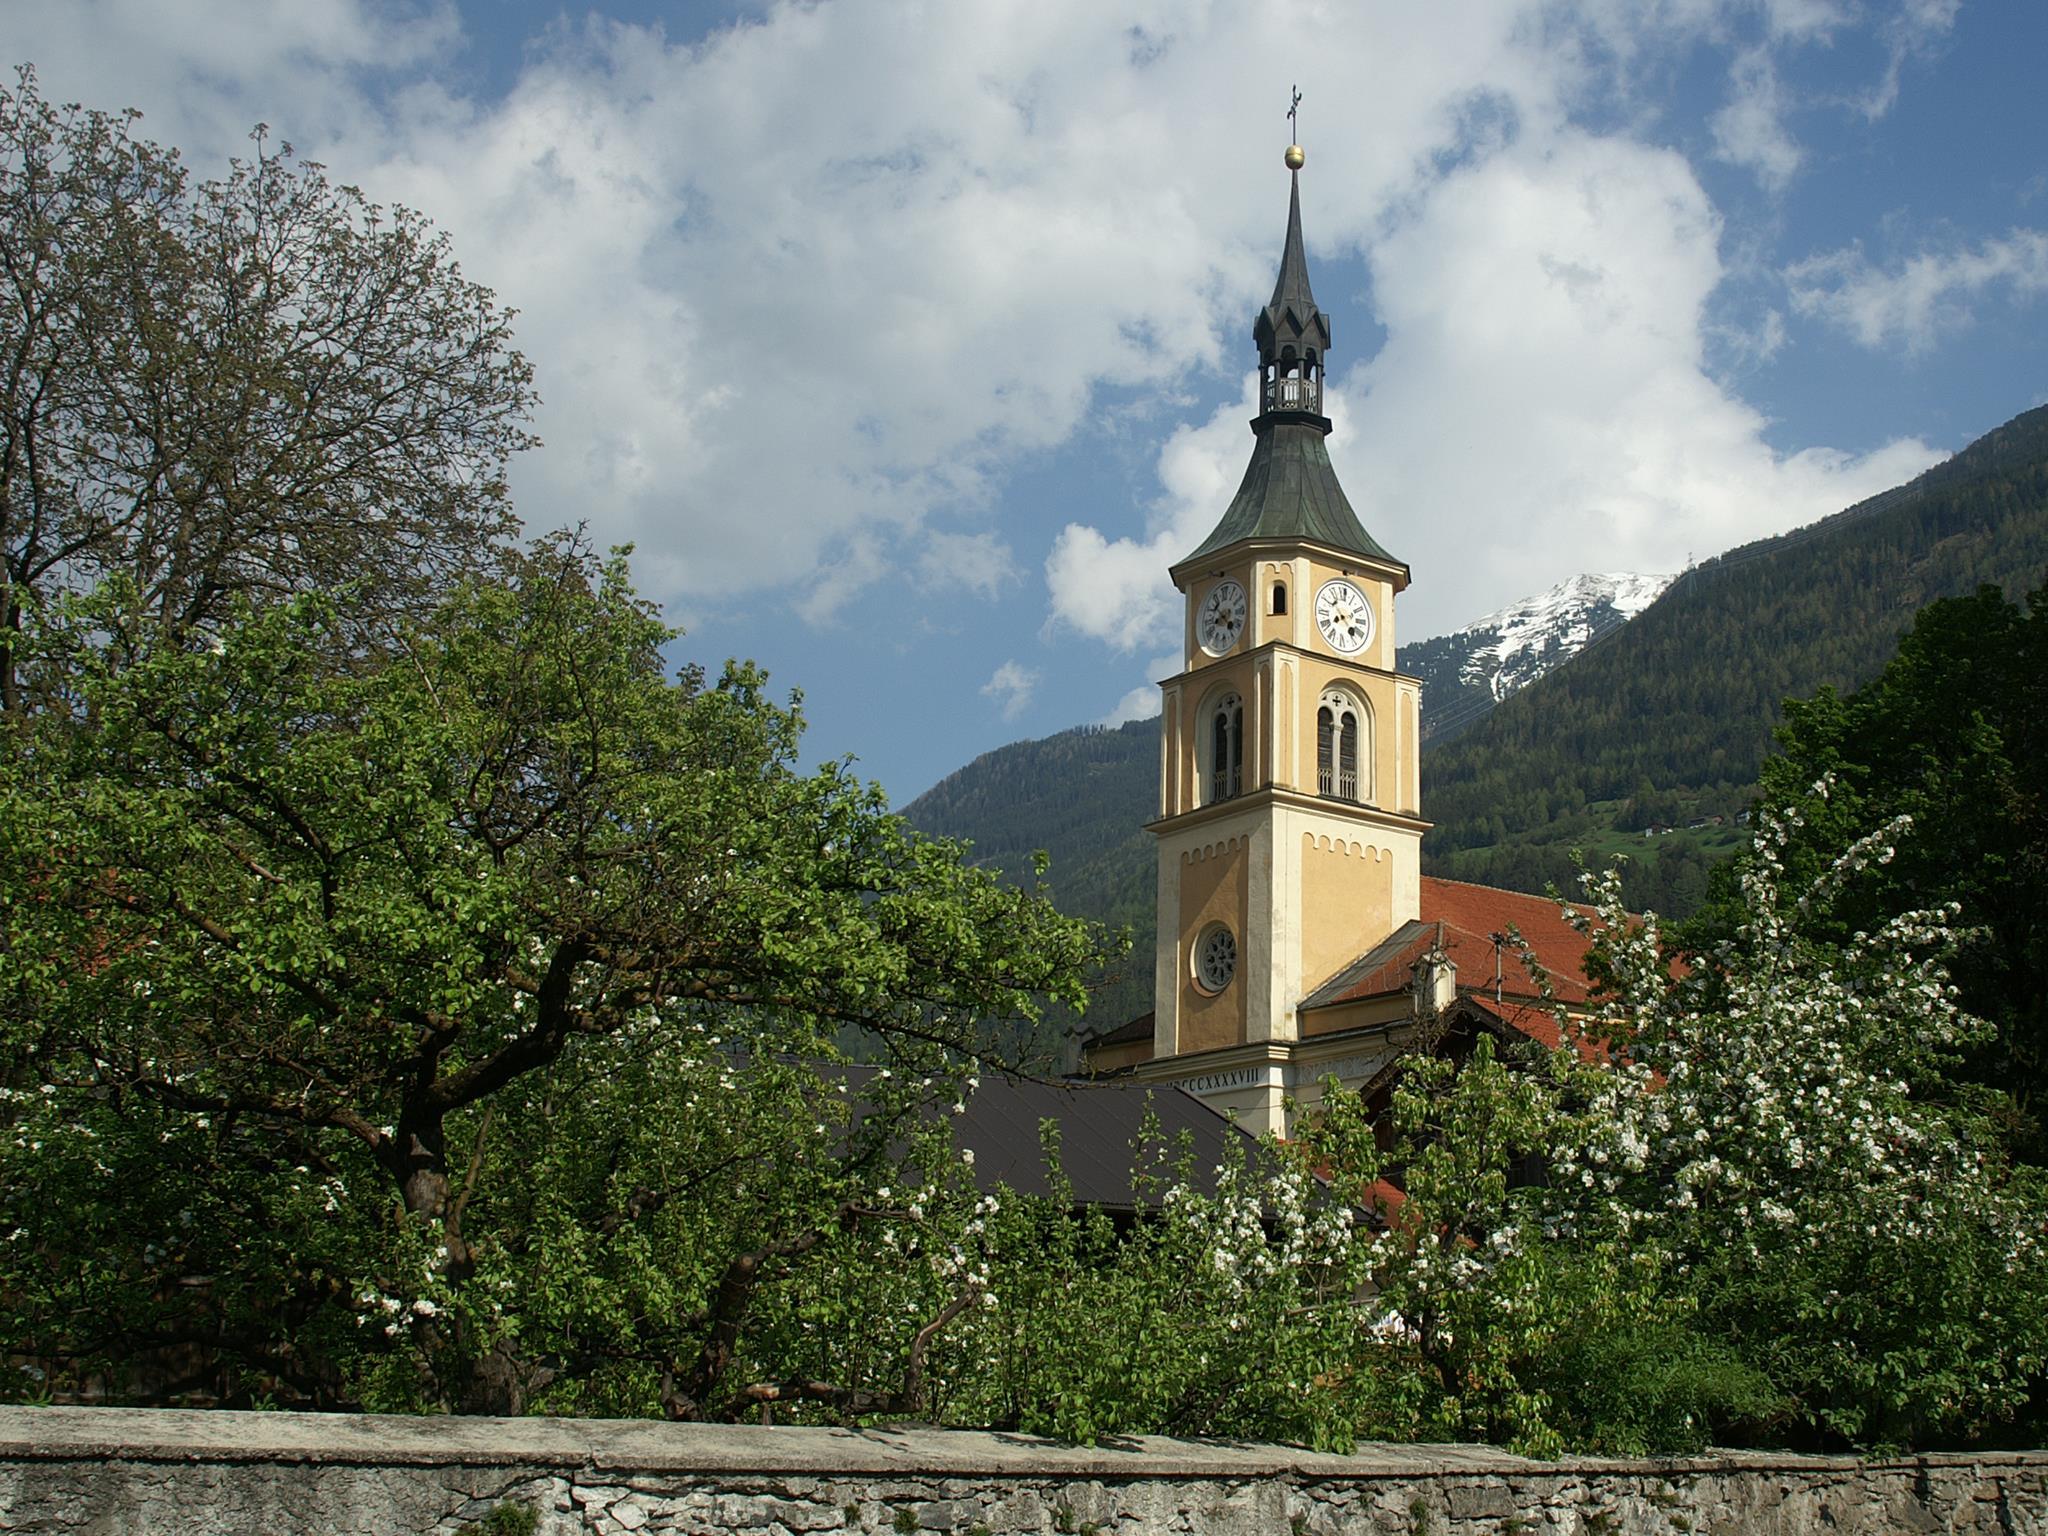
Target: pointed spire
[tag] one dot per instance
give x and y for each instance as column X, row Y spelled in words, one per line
column 1292, row 333
column 1291, row 291
column 1290, row 492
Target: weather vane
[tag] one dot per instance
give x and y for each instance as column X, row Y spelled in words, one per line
column 1294, row 154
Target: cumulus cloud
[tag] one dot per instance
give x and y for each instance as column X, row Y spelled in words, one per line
column 805, row 292
column 802, row 293
column 1543, row 391
column 1011, row 687
column 1918, row 300
column 1115, row 589
column 1142, row 702
column 1542, row 394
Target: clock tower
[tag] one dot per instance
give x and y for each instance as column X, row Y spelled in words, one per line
column 1289, row 827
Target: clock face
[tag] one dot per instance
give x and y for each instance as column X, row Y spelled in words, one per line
column 1221, row 620
column 1344, row 615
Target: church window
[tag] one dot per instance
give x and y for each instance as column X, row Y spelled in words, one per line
column 1337, row 746
column 1226, row 748
column 1215, row 958
column 1279, row 597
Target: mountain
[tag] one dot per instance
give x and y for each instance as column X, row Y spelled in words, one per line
column 1465, row 673
column 1666, row 723
column 1659, row 723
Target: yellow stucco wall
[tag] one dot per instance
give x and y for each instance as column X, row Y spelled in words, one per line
column 1213, row 889
column 1347, row 903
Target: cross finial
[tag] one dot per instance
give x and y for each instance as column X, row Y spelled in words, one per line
column 1293, row 120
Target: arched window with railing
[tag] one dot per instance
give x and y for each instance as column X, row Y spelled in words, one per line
column 1224, row 777
column 1294, row 383
column 1340, row 747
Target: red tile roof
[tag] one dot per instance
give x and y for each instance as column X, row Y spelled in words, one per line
column 1470, row 916
column 1473, row 913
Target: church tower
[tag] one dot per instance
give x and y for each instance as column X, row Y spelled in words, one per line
column 1289, row 829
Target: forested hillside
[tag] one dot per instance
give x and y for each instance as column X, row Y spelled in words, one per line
column 1667, row 722
column 1083, row 797
column 1660, row 725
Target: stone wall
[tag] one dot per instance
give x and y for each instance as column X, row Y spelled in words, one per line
column 141, row 1472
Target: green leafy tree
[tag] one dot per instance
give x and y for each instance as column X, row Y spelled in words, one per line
column 1952, row 736
column 236, row 389
column 332, row 979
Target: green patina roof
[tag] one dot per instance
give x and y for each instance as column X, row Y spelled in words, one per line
column 1290, row 491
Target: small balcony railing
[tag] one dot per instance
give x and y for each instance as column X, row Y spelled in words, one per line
column 1340, row 785
column 1295, row 393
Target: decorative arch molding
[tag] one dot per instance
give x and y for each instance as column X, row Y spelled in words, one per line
column 1215, row 850
column 1323, row 842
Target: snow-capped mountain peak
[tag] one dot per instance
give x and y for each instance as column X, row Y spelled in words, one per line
column 1519, row 643
column 1465, row 673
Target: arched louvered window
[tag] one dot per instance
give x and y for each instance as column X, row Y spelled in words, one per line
column 1226, row 748
column 1279, row 597
column 1338, row 750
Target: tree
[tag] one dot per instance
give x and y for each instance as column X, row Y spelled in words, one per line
column 1782, row 1120
column 312, row 959
column 244, row 388
column 1953, row 736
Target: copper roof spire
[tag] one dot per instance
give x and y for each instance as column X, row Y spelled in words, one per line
column 1290, row 488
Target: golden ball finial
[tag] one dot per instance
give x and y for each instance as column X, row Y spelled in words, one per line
column 1295, row 157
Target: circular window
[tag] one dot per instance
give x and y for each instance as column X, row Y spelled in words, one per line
column 1215, row 958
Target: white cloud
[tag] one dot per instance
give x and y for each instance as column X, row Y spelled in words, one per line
column 1541, row 405
column 1116, row 590
column 804, row 293
column 1011, row 687
column 1916, row 30
column 1915, row 302
column 981, row 563
column 1749, row 130
column 1543, row 398
column 1142, row 702
column 1802, row 20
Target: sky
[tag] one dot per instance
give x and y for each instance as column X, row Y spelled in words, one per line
column 909, row 343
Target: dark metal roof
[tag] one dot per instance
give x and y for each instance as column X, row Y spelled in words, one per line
column 1127, row 1033
column 1290, row 491
column 1099, row 1125
column 1291, row 314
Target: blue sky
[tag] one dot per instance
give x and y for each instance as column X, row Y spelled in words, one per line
column 909, row 343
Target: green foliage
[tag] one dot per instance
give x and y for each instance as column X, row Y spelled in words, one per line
column 1782, row 1121
column 1082, row 798
column 415, row 1030
column 1952, row 736
column 509, row 1519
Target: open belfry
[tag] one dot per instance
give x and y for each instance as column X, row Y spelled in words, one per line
column 1298, row 937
